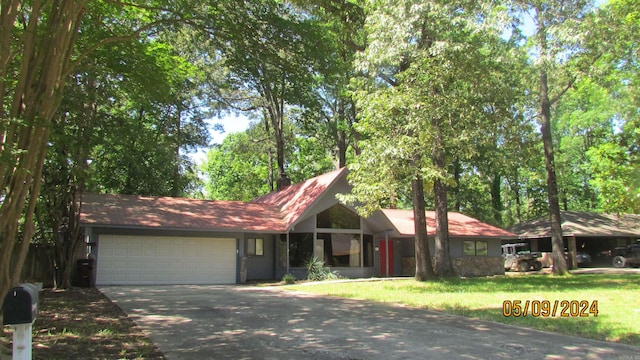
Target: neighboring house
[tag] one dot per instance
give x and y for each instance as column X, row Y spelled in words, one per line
column 593, row 233
column 161, row 240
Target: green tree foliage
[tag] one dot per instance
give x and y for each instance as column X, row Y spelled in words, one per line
column 558, row 60
column 120, row 128
column 593, row 74
column 616, row 165
column 36, row 44
column 272, row 53
column 615, row 178
column 37, row 53
column 525, row 194
column 584, row 121
column 332, row 117
column 436, row 81
column 145, row 123
column 44, row 45
column 239, row 169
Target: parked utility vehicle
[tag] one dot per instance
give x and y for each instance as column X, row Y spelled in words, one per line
column 519, row 257
column 627, row 255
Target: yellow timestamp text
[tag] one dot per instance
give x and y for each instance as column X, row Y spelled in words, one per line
column 549, row 308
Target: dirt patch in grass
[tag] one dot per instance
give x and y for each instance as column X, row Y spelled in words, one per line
column 81, row 323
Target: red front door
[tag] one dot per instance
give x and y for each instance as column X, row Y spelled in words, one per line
column 386, row 257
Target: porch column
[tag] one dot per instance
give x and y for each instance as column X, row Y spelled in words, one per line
column 386, row 244
column 571, row 248
column 243, row 270
column 287, row 252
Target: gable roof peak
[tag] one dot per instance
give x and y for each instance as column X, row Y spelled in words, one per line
column 294, row 200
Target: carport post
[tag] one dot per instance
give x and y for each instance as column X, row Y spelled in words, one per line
column 386, row 258
column 571, row 244
column 287, row 252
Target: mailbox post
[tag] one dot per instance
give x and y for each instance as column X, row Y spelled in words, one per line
column 19, row 310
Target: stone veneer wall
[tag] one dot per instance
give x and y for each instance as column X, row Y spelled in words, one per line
column 468, row 266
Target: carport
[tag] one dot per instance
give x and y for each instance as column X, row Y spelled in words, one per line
column 594, row 233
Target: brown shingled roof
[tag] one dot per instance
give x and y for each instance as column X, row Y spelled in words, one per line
column 274, row 212
column 459, row 224
column 295, row 199
column 179, row 213
column 582, row 223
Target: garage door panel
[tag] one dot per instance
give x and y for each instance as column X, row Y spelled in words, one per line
column 141, row 260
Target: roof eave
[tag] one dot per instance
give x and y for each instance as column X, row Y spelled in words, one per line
column 469, row 236
column 199, row 230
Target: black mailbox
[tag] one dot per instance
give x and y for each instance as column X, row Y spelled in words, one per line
column 20, row 305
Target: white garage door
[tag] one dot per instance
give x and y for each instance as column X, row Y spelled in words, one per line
column 147, row 260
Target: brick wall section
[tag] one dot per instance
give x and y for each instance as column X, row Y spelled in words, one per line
column 468, row 266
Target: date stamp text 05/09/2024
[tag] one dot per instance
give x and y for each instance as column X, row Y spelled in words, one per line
column 549, row 308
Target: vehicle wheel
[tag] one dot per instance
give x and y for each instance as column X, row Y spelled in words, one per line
column 523, row 266
column 537, row 266
column 619, row 262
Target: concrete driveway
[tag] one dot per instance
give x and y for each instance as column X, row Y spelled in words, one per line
column 243, row 322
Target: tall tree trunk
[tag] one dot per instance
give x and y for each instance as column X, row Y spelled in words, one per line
column 496, row 198
column 356, row 147
column 355, row 135
column 456, row 177
column 342, row 135
column 342, row 149
column 443, row 266
column 271, row 172
column 283, row 179
column 29, row 225
column 70, row 232
column 516, row 193
column 424, row 267
column 275, row 109
column 44, row 47
column 70, row 239
column 132, row 166
column 175, row 187
column 557, row 246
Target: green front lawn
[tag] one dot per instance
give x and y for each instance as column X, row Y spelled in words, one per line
column 617, row 296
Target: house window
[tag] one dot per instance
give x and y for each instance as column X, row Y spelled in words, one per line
column 475, row 248
column 338, row 217
column 335, row 249
column 300, row 249
column 341, row 250
column 255, row 247
column 368, row 250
